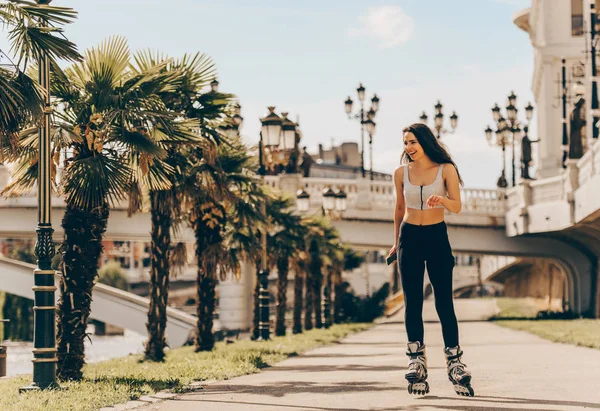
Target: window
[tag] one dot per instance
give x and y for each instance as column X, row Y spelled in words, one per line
column 576, row 18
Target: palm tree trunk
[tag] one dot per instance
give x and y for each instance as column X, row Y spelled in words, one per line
column 282, row 285
column 308, row 312
column 81, row 250
column 256, row 313
column 327, row 301
column 159, row 275
column 317, row 295
column 205, row 287
column 298, row 289
column 337, row 302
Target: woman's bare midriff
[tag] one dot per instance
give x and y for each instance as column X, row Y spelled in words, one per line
column 423, row 217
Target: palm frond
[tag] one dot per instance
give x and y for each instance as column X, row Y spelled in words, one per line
column 89, row 182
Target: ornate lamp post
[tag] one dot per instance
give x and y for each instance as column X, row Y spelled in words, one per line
column 44, row 336
column 508, row 132
column 438, row 123
column 366, row 121
column 277, row 133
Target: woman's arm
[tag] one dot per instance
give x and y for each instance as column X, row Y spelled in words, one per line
column 400, row 206
column 453, row 202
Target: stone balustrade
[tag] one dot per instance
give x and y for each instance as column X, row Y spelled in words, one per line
column 381, row 195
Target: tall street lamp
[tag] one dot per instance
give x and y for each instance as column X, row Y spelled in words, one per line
column 44, row 335
column 333, row 205
column 508, row 132
column 438, row 122
column 366, row 122
column 279, row 135
column 594, row 103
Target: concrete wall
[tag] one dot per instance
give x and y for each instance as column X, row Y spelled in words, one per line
column 544, row 280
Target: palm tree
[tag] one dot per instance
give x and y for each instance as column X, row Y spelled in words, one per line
column 286, row 235
column 299, row 265
column 34, row 31
column 351, row 260
column 226, row 198
column 165, row 205
column 110, row 132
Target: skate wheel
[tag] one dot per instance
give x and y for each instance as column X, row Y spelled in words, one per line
column 418, row 388
column 464, row 390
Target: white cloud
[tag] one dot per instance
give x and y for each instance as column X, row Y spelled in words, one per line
column 389, row 25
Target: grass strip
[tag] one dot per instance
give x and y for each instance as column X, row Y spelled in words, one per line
column 581, row 332
column 120, row 380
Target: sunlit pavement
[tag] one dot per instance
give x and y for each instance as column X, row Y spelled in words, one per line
column 512, row 370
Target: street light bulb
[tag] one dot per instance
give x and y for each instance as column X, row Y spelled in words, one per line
column 423, row 118
column 499, row 137
column 371, row 114
column 453, row 120
column 375, row 103
column 529, row 112
column 288, row 138
column 302, row 201
column 348, row 104
column 361, row 92
column 512, row 99
column 501, row 123
column 439, row 120
column 340, row 200
column 328, row 199
column 489, row 133
column 271, row 128
column 214, row 85
column 370, row 125
column 438, row 108
column 511, row 112
column 496, row 112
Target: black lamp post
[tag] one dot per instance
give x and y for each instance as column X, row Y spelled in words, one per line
column 594, row 102
column 44, row 336
column 438, row 123
column 366, row 121
column 508, row 132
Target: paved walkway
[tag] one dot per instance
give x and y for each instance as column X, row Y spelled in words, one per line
column 512, row 370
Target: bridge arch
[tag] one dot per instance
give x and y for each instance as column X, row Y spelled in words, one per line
column 110, row 305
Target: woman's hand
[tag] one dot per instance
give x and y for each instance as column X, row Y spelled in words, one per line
column 435, row 200
column 393, row 250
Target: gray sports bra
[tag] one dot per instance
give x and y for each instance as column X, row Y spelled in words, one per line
column 416, row 196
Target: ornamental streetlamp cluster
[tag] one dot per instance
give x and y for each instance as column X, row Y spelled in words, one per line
column 438, row 121
column 366, row 124
column 279, row 140
column 333, row 203
column 508, row 132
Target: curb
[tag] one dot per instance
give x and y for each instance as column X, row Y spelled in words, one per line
column 156, row 398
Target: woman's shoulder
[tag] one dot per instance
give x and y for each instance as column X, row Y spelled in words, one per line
column 399, row 172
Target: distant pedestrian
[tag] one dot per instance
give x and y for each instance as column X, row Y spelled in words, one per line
column 427, row 184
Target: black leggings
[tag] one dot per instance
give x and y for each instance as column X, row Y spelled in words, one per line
column 420, row 245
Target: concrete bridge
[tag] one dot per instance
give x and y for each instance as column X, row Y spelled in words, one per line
column 109, row 304
column 554, row 218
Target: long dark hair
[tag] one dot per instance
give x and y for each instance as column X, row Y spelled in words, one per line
column 431, row 146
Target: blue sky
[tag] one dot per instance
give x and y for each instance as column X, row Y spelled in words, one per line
column 307, row 56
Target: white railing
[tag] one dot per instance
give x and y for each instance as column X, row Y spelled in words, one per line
column 381, row 195
column 584, row 165
column 549, row 189
column 485, row 201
